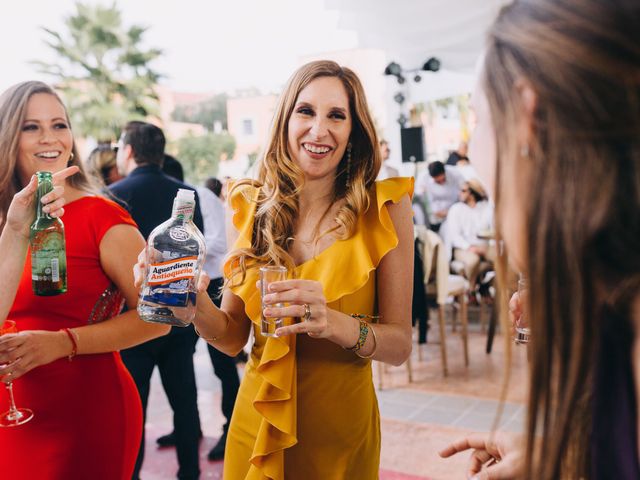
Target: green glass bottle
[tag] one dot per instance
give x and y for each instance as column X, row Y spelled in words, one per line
column 48, row 254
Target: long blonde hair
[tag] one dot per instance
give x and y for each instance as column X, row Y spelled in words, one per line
column 13, row 108
column 582, row 214
column 280, row 180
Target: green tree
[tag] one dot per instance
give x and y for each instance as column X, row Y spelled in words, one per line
column 206, row 113
column 103, row 71
column 201, row 155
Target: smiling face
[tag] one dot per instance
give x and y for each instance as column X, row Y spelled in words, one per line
column 319, row 127
column 46, row 140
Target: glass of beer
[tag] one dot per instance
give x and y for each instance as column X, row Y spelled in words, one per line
column 268, row 275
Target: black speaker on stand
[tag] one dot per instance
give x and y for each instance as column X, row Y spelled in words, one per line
column 412, row 142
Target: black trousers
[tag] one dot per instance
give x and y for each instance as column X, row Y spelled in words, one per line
column 173, row 354
column 224, row 366
column 420, row 306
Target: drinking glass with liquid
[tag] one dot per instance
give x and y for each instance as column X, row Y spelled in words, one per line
column 268, row 275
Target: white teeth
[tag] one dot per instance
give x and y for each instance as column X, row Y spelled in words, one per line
column 313, row 149
column 48, row 154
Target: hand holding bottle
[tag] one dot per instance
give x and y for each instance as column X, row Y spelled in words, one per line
column 21, row 210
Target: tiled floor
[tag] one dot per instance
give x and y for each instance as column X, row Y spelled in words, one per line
column 418, row 419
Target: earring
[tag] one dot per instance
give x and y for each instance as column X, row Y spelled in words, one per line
column 524, row 151
column 71, row 157
column 348, row 165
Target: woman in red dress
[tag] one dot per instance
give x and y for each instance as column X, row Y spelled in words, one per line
column 64, row 361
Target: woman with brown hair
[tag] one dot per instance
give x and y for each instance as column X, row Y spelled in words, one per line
column 64, row 361
column 558, row 107
column 307, row 406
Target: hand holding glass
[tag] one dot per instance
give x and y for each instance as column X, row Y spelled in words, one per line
column 268, row 275
column 14, row 416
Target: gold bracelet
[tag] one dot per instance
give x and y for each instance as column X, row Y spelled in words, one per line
column 218, row 337
column 375, row 344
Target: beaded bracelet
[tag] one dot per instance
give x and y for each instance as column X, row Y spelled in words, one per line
column 364, row 331
column 362, row 315
column 375, row 344
column 362, row 338
column 74, row 343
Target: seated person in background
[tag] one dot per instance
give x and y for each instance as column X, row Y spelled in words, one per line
column 459, row 154
column 386, row 170
column 441, row 187
column 467, row 218
column 466, row 170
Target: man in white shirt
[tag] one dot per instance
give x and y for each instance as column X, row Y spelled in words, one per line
column 472, row 215
column 386, row 170
column 441, row 185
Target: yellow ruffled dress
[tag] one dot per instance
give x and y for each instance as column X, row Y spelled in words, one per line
column 307, row 409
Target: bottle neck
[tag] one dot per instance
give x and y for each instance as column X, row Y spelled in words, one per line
column 182, row 210
column 45, row 185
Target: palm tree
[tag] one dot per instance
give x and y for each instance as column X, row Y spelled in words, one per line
column 103, row 72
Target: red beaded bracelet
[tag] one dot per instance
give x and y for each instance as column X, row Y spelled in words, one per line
column 74, row 342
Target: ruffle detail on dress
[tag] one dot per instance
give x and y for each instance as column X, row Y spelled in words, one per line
column 356, row 257
column 276, row 397
column 360, row 254
column 243, row 202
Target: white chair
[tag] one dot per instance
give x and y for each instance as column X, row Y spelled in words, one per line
column 441, row 285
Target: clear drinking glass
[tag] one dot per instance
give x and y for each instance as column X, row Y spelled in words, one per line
column 14, row 416
column 268, row 275
column 523, row 332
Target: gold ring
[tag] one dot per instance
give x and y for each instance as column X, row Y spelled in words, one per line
column 307, row 312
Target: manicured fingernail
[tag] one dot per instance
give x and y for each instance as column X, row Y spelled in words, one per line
column 267, row 312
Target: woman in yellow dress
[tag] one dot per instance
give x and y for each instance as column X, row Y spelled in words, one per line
column 307, row 408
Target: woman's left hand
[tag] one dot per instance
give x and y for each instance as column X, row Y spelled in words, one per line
column 302, row 296
column 22, row 352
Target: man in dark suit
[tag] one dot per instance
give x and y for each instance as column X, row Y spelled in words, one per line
column 148, row 194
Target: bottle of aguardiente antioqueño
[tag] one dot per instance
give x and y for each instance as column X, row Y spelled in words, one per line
column 175, row 254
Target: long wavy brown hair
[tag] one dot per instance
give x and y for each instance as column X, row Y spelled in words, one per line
column 13, row 108
column 582, row 215
column 280, row 179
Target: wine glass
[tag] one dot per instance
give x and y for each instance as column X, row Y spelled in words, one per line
column 14, row 416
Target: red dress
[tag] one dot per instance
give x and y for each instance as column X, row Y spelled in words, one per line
column 88, row 416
